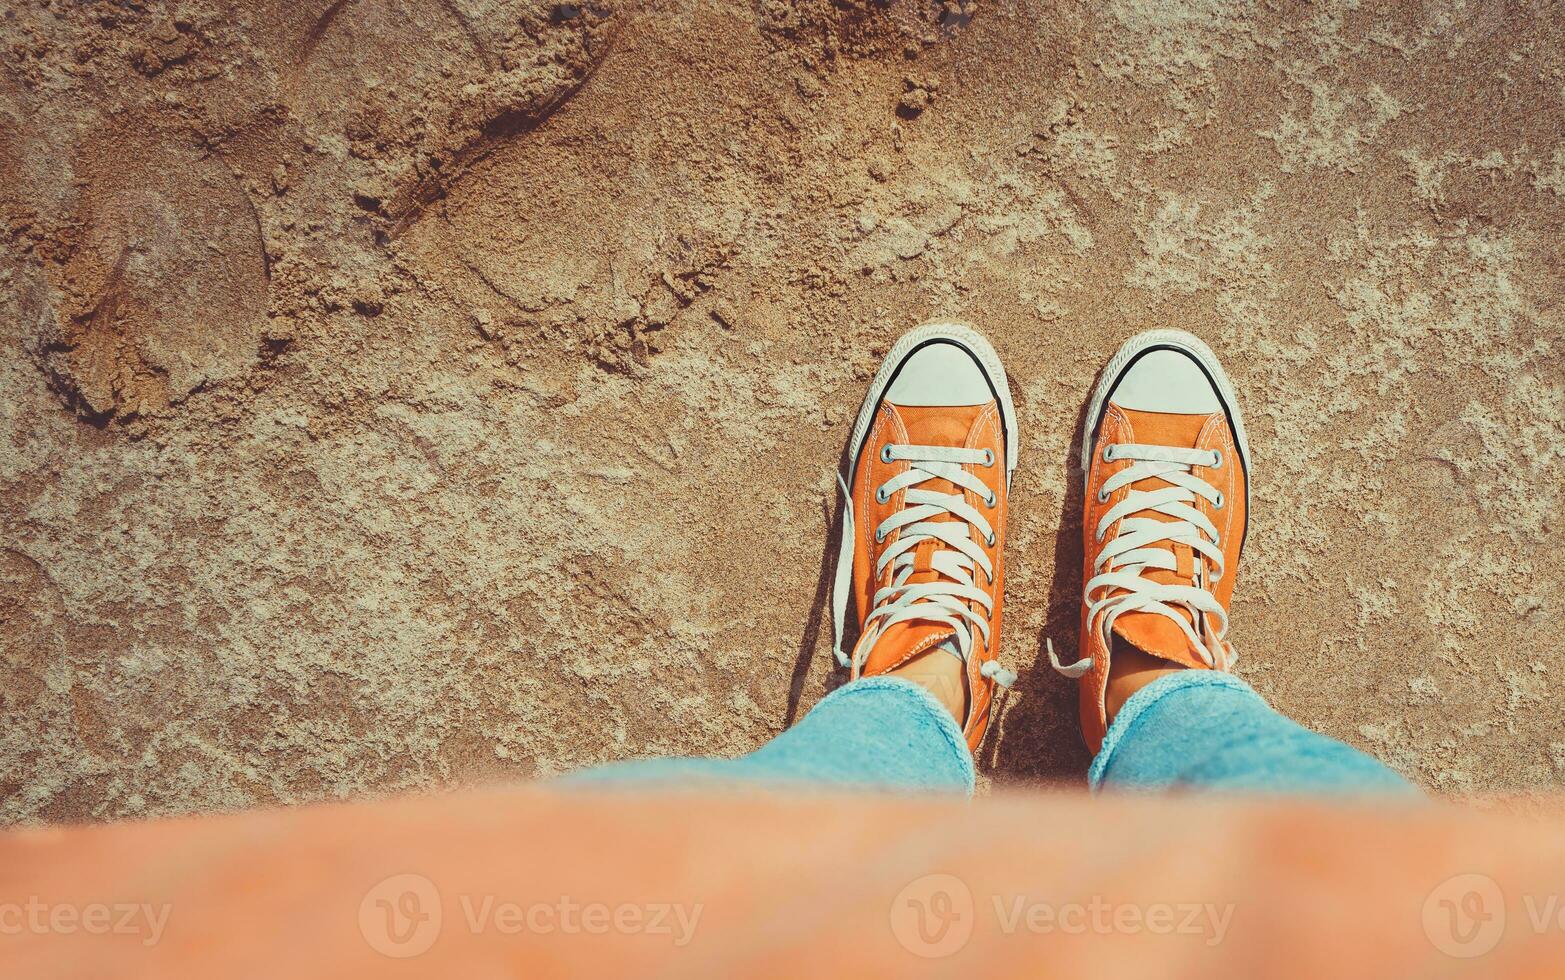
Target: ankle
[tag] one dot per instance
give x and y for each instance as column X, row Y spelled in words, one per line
column 940, row 674
column 1129, row 671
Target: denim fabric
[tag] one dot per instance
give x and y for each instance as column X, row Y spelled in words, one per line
column 877, row 733
column 1209, row 730
column 1195, row 729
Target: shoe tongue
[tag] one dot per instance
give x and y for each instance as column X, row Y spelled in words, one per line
column 898, row 642
column 1154, row 633
column 1159, row 636
column 942, row 425
column 938, row 425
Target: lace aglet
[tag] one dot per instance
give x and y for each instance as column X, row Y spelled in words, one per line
column 1074, row 671
column 1000, row 675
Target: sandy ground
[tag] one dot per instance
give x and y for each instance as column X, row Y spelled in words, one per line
column 402, row 395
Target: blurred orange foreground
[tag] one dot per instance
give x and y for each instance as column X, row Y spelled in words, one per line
column 541, row 882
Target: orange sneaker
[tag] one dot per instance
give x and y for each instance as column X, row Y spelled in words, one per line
column 923, row 529
column 1167, row 495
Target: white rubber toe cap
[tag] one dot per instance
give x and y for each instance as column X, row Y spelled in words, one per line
column 1168, row 381
column 940, row 373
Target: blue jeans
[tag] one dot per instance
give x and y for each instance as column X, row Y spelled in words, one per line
column 1196, row 728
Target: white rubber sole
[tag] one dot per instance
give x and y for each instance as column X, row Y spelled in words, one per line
column 963, row 336
column 1179, row 340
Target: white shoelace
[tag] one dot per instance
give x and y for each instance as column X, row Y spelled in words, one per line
column 1139, row 546
column 943, row 601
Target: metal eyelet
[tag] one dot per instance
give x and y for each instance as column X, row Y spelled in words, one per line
column 988, row 457
column 1218, row 503
column 1108, row 453
column 880, row 496
column 880, row 536
column 885, row 453
column 994, row 498
column 1217, row 459
column 1103, row 497
column 990, row 540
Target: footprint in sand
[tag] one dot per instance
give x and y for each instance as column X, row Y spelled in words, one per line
column 165, row 288
column 421, row 90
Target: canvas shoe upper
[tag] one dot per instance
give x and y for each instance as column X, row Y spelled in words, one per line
column 1165, row 510
column 929, row 468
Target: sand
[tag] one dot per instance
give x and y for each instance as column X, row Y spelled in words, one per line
column 405, row 396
